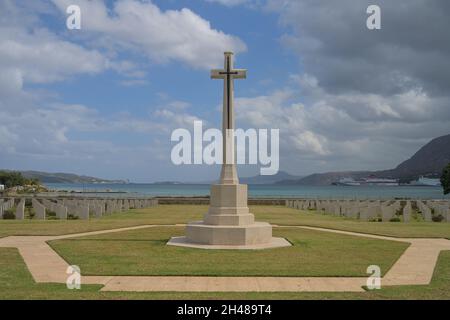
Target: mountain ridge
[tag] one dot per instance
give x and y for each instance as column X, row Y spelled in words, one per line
column 60, row 177
column 429, row 161
column 259, row 179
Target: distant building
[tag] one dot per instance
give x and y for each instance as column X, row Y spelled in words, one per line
column 2, row 187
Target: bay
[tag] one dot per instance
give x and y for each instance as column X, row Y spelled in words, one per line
column 255, row 191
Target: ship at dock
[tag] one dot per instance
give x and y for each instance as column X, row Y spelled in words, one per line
column 367, row 182
column 426, row 182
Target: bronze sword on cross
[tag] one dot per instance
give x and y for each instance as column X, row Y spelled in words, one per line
column 228, row 74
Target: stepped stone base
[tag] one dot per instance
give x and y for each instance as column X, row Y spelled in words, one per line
column 256, row 233
column 229, row 224
column 184, row 242
column 255, row 236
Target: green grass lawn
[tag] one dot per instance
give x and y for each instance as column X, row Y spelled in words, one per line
column 16, row 283
column 172, row 214
column 144, row 252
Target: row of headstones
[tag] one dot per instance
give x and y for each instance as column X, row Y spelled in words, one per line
column 364, row 210
column 82, row 209
column 5, row 204
column 425, row 210
column 371, row 210
column 431, row 208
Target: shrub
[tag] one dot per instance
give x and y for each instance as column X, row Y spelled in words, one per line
column 395, row 219
column 9, row 214
column 30, row 212
column 438, row 218
column 51, row 213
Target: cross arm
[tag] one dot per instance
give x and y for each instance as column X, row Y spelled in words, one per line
column 234, row 73
column 240, row 73
column 217, row 74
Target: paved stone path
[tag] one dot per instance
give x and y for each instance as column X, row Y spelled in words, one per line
column 414, row 267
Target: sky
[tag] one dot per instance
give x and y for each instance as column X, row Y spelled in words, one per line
column 104, row 100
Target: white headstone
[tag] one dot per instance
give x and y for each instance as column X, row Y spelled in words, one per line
column 39, row 210
column 20, row 210
column 407, row 210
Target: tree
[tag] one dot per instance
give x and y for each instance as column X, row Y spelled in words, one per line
column 11, row 179
column 445, row 179
column 32, row 182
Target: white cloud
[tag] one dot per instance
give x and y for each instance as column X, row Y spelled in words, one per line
column 332, row 43
column 55, row 132
column 308, row 141
column 351, row 131
column 39, row 131
column 162, row 36
column 7, row 140
column 372, row 98
column 38, row 56
column 175, row 116
column 11, row 81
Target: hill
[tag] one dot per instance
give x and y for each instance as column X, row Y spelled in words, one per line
column 46, row 177
column 322, row 179
column 427, row 161
column 430, row 160
column 280, row 176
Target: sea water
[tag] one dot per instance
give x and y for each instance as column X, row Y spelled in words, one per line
column 257, row 191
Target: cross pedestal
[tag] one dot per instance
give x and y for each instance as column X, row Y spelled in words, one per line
column 229, row 223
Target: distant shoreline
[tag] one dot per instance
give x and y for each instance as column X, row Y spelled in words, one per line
column 254, row 191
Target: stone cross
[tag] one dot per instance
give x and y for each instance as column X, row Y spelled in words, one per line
column 228, row 74
column 229, row 224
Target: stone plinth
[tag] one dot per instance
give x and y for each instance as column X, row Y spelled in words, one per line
column 229, row 224
column 228, row 206
column 256, row 233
